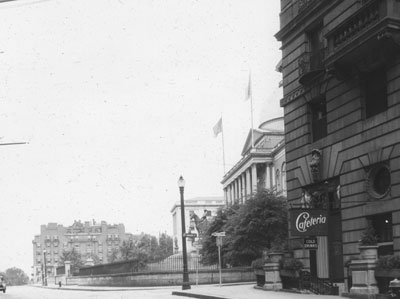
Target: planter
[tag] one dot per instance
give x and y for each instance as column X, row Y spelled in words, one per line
column 289, row 273
column 275, row 256
column 288, row 254
column 368, row 252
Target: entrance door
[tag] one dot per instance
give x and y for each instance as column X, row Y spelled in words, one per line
column 313, row 263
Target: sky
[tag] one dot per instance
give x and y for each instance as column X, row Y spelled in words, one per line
column 118, row 98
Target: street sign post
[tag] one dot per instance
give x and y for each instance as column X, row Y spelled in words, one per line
column 219, row 244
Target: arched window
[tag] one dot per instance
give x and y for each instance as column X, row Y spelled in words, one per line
column 278, row 180
column 283, row 175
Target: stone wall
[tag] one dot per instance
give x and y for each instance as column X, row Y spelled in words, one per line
column 162, row 278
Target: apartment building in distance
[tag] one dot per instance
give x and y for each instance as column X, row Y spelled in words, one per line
column 341, row 86
column 89, row 239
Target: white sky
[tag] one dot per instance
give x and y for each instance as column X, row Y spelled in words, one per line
column 117, row 99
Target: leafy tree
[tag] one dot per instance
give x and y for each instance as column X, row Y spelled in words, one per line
column 209, row 249
column 74, row 257
column 15, row 276
column 250, row 228
column 165, row 247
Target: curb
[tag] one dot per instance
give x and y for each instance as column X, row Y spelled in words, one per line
column 200, row 296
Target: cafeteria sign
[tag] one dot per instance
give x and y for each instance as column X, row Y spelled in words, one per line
column 308, row 222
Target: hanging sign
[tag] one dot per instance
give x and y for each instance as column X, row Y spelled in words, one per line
column 310, row 243
column 308, row 222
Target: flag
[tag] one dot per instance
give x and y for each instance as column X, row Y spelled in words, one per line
column 248, row 91
column 218, row 127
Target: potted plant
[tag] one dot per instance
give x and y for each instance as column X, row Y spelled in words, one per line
column 290, row 267
column 258, row 268
column 368, row 244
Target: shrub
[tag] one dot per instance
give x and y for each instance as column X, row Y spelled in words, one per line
column 388, row 262
column 259, row 263
column 368, row 236
column 290, row 263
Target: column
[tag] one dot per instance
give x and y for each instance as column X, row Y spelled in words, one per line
column 231, row 193
column 253, row 178
column 248, row 183
column 242, row 190
column 233, row 190
column 268, row 175
column 273, row 177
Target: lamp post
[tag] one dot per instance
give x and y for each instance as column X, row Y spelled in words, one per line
column 185, row 284
column 44, row 274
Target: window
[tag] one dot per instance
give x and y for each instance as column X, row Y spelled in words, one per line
column 382, row 225
column 378, row 181
column 318, row 119
column 278, row 180
column 283, row 175
column 375, row 89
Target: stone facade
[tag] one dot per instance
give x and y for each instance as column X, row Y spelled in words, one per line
column 88, row 238
column 261, row 166
column 341, row 82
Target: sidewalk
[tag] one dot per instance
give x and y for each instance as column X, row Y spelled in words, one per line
column 243, row 291
column 226, row 291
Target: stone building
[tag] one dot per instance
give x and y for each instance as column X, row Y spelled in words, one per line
column 89, row 239
column 341, row 83
column 261, row 166
column 201, row 208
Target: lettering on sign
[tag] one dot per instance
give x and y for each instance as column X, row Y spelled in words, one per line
column 308, row 222
column 310, row 243
column 305, row 221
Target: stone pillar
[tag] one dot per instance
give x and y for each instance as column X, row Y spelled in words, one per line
column 234, row 190
column 243, row 188
column 67, row 265
column 363, row 276
column 253, row 178
column 231, row 193
column 273, row 176
column 248, row 184
column 267, row 176
column 272, row 277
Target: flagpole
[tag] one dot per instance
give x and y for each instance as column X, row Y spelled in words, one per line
column 223, row 147
column 251, row 110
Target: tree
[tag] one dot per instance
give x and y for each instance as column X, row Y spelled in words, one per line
column 165, row 247
column 209, row 249
column 74, row 257
column 15, row 276
column 250, row 228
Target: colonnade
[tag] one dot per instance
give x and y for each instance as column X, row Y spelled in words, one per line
column 245, row 183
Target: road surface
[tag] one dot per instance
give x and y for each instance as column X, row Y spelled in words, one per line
column 31, row 292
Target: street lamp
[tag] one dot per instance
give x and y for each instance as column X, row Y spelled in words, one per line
column 44, row 272
column 185, row 284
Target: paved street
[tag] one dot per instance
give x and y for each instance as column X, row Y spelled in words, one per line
column 245, row 291
column 30, row 292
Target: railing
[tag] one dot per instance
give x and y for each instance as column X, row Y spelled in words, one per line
column 317, row 285
column 173, row 263
column 365, row 17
